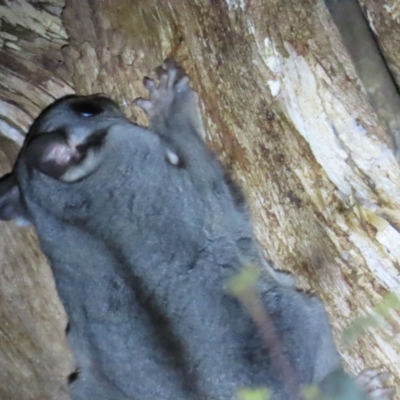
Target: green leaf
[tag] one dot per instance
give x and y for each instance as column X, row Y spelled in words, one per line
column 253, row 394
column 358, row 326
column 311, row 392
column 243, row 281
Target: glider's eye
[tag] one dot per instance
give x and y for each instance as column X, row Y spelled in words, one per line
column 87, row 108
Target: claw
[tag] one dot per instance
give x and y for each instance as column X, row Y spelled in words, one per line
column 160, row 71
column 382, row 393
column 174, row 71
column 372, row 381
column 163, row 81
column 150, row 85
column 170, row 63
column 182, row 84
column 171, row 77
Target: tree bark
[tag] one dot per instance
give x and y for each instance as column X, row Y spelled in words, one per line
column 384, row 20
column 376, row 71
column 34, row 359
column 284, row 109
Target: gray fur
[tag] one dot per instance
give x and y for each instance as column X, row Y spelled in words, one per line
column 142, row 249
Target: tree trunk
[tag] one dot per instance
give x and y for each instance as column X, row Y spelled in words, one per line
column 285, row 110
column 384, row 20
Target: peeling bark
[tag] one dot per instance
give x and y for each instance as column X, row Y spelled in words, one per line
column 284, row 108
column 371, row 66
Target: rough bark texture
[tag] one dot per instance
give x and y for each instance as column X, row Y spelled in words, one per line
column 34, row 359
column 384, row 20
column 371, row 66
column 283, row 107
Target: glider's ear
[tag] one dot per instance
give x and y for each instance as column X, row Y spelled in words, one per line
column 50, row 154
column 11, row 207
